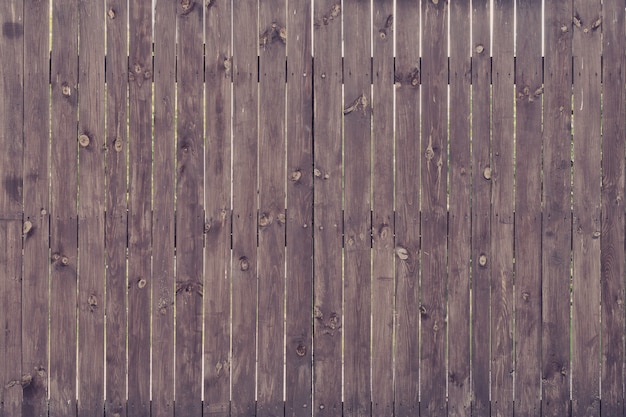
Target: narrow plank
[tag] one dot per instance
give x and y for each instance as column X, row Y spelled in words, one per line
column 407, row 222
column 35, row 284
column 501, row 174
column 327, row 210
column 189, row 210
column 528, row 100
column 116, row 205
column 244, row 223
column 383, row 230
column 163, row 287
column 218, row 210
column 11, row 207
column 434, row 220
column 63, row 212
column 586, row 51
column 357, row 208
column 299, row 285
column 481, row 215
column 271, row 217
column 459, row 222
column 556, row 224
column 91, row 258
column 612, row 237
column 139, row 207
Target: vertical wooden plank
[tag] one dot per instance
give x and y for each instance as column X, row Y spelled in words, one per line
column 244, row 251
column 407, row 81
column 434, row 220
column 139, row 207
column 357, row 208
column 383, row 230
column 327, row 209
column 189, row 209
column 116, row 205
column 90, row 209
column 459, row 222
column 299, row 263
column 35, row 284
column 63, row 212
column 271, row 217
column 586, row 47
column 528, row 99
column 556, row 226
column 481, row 199
column 612, row 237
column 163, row 209
column 218, row 212
column 501, row 174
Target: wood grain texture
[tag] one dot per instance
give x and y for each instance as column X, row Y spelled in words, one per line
column 481, row 213
column 91, row 256
column 357, row 105
column 327, row 210
column 189, row 210
column 501, row 174
column 244, row 229
column 459, row 222
column 586, row 49
column 612, row 237
column 556, row 223
column 383, row 230
column 434, row 220
column 139, row 207
column 217, row 275
column 163, row 226
column 407, row 79
column 116, row 206
column 63, row 211
column 299, row 285
column 528, row 100
column 35, row 284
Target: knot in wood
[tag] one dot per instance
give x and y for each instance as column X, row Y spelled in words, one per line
column 141, row 283
column 138, row 69
column 402, row 253
column 295, row 176
column 430, row 153
column 83, row 140
column 479, row 49
column 487, row 173
column 65, row 261
column 265, row 220
column 281, row 218
column 525, row 296
column 43, row 212
column 482, row 260
column 317, row 173
column 382, row 33
column 435, row 2
column 185, row 4
column 66, row 90
column 26, row 380
column 117, row 145
column 244, row 264
column 596, row 234
column 564, row 28
column 92, row 301
column 55, row 257
column 27, row 227
column 301, row 350
column 111, row 13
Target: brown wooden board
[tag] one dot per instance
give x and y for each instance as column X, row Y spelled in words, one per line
column 244, row 223
column 481, row 199
column 556, row 222
column 116, row 214
column 612, row 237
column 299, row 261
column 63, row 213
column 434, row 219
column 139, row 207
column 459, row 222
column 407, row 79
column 217, row 207
column 383, row 285
column 327, row 209
column 91, row 258
column 35, row 282
column 11, row 207
column 586, row 47
column 357, row 105
column 500, row 172
column 189, row 210
column 163, row 287
column 528, row 145
column 271, row 216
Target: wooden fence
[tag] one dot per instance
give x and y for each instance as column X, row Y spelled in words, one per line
column 287, row 208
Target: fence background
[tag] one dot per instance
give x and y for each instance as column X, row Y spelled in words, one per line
column 275, row 207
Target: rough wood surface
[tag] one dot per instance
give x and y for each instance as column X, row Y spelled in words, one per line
column 139, row 207
column 327, row 209
column 217, row 275
column 556, row 223
column 244, row 229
